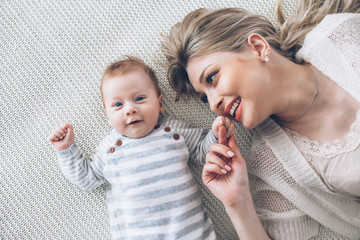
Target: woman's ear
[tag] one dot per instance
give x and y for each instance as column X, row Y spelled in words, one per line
column 260, row 46
column 162, row 110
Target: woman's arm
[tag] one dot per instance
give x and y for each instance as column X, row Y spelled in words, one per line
column 232, row 188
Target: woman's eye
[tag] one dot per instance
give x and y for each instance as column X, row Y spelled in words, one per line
column 118, row 104
column 210, row 78
column 138, row 99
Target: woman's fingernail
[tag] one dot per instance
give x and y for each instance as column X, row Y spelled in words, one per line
column 227, row 167
column 230, row 153
column 223, row 171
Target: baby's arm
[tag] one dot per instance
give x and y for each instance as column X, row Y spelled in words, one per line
column 199, row 140
column 77, row 169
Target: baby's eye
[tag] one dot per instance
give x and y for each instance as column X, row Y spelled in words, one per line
column 210, row 77
column 138, row 99
column 118, row 104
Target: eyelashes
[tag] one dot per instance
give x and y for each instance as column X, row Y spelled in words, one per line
column 138, row 99
column 118, row 104
column 210, row 78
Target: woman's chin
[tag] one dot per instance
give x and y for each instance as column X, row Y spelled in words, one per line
column 248, row 124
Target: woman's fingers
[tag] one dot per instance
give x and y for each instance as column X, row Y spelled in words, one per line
column 214, row 159
column 221, row 150
column 210, row 171
column 222, row 135
column 219, row 155
column 233, row 147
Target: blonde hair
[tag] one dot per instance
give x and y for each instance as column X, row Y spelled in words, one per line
column 204, row 31
column 125, row 66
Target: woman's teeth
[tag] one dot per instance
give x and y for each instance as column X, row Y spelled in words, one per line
column 234, row 107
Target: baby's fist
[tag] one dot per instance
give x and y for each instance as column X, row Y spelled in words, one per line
column 62, row 137
column 227, row 123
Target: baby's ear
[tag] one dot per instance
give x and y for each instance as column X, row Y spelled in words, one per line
column 162, row 110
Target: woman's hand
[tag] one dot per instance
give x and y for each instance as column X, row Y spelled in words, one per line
column 225, row 172
column 226, row 176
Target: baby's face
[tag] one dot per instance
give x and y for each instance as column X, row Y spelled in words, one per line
column 132, row 103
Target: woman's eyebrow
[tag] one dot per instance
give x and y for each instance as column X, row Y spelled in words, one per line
column 201, row 78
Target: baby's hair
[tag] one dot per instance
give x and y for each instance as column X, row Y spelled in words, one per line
column 125, row 66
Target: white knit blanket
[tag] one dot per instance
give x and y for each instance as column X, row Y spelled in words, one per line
column 52, row 54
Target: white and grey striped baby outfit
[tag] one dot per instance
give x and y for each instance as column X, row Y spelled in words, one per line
column 151, row 192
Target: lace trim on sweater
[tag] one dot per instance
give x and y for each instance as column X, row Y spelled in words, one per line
column 330, row 149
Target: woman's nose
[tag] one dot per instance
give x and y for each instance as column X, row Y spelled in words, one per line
column 215, row 105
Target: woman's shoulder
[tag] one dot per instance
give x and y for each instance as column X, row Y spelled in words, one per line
column 334, row 37
column 340, row 17
column 332, row 22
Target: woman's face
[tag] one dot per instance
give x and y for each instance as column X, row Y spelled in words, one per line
column 236, row 84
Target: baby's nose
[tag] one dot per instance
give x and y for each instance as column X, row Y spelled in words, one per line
column 131, row 110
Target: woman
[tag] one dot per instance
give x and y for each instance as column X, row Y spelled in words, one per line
column 301, row 178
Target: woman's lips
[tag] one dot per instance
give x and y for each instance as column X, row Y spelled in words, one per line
column 238, row 112
column 234, row 108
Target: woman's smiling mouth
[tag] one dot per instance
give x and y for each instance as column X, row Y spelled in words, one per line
column 232, row 107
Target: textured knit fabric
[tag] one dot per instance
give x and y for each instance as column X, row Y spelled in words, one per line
column 292, row 200
column 337, row 163
column 151, row 192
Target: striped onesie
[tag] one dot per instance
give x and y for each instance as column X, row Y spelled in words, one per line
column 151, row 193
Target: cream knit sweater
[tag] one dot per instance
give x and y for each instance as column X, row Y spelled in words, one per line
column 291, row 200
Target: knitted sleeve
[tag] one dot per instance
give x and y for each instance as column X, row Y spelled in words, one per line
column 198, row 140
column 277, row 162
column 85, row 173
column 279, row 216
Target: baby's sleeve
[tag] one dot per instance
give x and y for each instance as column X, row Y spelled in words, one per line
column 198, row 140
column 85, row 173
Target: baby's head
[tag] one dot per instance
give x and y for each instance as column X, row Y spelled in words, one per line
column 131, row 97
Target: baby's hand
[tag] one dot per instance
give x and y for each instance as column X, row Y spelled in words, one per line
column 62, row 137
column 227, row 123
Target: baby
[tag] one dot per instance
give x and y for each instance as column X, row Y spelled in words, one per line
column 151, row 193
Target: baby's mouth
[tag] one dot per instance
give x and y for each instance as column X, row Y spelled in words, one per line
column 134, row 122
column 233, row 106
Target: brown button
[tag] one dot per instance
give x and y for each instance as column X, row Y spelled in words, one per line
column 176, row 136
column 167, row 129
column 118, row 142
column 157, row 126
column 112, row 149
